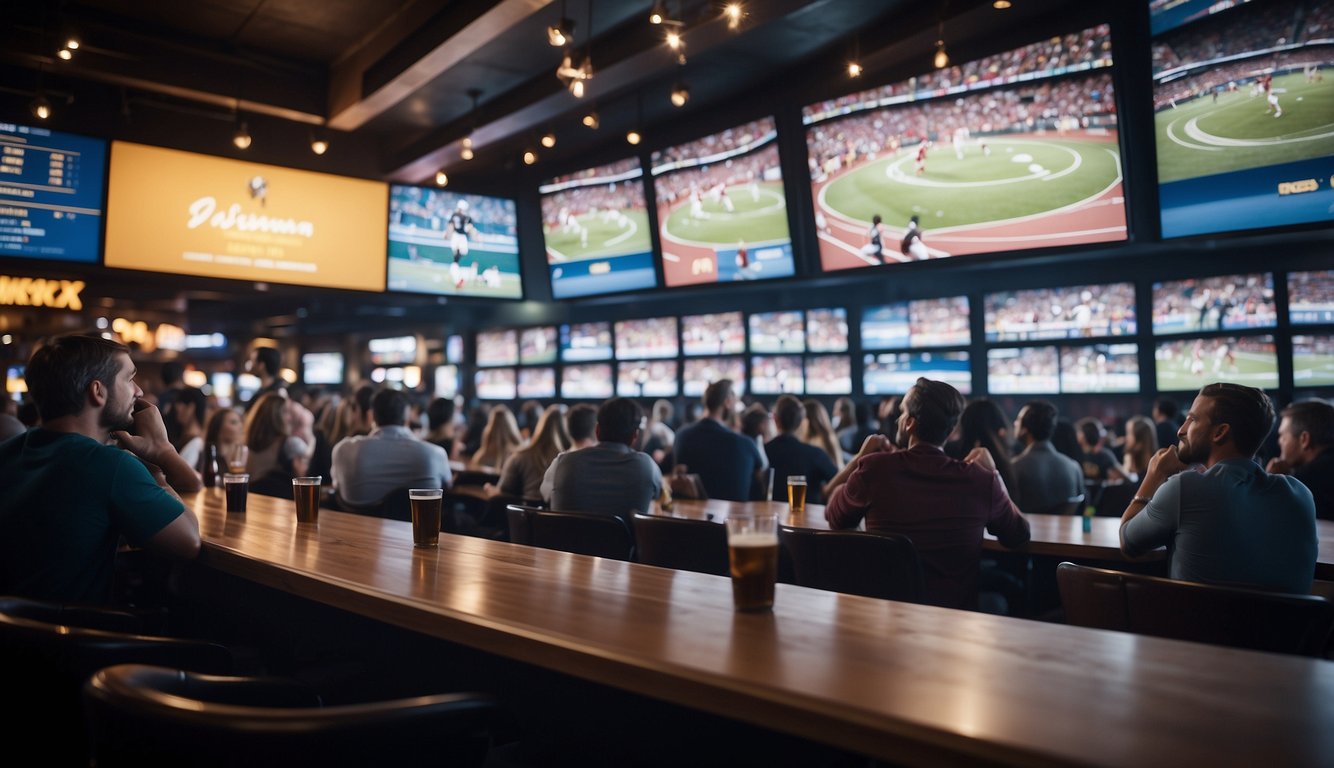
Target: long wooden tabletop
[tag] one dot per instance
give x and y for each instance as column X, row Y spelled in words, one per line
column 906, row 683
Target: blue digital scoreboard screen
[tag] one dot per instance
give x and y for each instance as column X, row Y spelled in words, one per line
column 51, row 194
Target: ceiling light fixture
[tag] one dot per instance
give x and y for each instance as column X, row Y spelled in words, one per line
column 633, row 136
column 441, row 178
column 942, row 59
column 41, row 108
column 529, row 156
column 242, row 136
column 573, row 76
column 465, row 151
column 680, row 95
column 854, row 69
column 734, row 13
column 65, row 54
column 1001, row 5
column 548, row 139
column 855, row 63
column 590, row 120
column 674, row 40
column 658, row 14
column 318, row 144
column 562, row 34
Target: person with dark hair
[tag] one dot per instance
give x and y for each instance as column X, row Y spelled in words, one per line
column 1305, row 433
column 1231, row 522
column 264, row 363
column 726, row 462
column 611, row 477
column 788, row 455
column 1065, row 439
column 983, row 423
column 70, row 496
column 440, row 426
column 942, row 504
column 1099, row 464
column 1165, row 421
column 185, row 424
column 1044, row 478
column 851, row 436
column 581, row 422
column 367, row 467
column 757, row 424
column 173, row 380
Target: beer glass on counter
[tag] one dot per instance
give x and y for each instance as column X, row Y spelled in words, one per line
column 426, row 504
column 306, row 494
column 752, row 553
column 796, row 497
column 237, row 487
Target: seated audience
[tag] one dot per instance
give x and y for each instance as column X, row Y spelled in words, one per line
column 1305, row 434
column 521, row 477
column 790, row 456
column 1044, row 477
column 941, row 503
column 1140, row 445
column 500, row 439
column 276, row 455
column 819, row 432
column 1166, row 421
column 1099, row 463
column 757, row 424
column 581, row 425
column 1064, row 438
column 1232, row 523
column 983, row 424
column 851, row 437
column 440, row 426
column 659, row 437
column 610, row 477
column 70, row 496
column 367, row 467
column 225, row 431
column 187, row 415
column 725, row 461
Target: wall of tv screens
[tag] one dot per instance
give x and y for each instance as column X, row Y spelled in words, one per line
column 597, row 233
column 50, row 194
column 450, row 243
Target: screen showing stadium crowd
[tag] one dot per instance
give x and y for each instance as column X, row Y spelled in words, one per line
column 827, row 330
column 920, row 323
column 1311, row 297
column 778, row 332
column 893, row 373
column 1061, row 313
column 1226, row 303
column 585, row 341
column 652, row 337
column 716, row 334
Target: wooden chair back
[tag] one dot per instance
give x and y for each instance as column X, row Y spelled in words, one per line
column 883, row 565
column 687, row 545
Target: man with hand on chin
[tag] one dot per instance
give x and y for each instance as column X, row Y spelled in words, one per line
column 1229, row 522
column 70, row 496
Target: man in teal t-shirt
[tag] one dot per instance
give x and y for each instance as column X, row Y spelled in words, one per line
column 69, row 496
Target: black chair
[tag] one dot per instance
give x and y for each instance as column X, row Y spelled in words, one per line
column 1070, row 506
column 49, row 650
column 147, row 715
column 475, row 477
column 1203, row 613
column 883, row 565
column 1115, row 498
column 687, row 545
column 578, row 532
column 392, row 506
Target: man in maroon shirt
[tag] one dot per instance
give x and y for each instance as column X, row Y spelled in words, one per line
column 941, row 503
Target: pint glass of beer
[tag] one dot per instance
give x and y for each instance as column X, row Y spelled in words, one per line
column 796, row 497
column 426, row 503
column 236, row 486
column 306, row 493
column 752, row 552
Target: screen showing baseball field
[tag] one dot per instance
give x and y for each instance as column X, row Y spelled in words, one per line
column 595, row 224
column 722, row 211
column 455, row 244
column 1010, row 152
column 1244, row 120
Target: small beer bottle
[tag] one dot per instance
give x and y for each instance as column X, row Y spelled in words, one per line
column 210, row 470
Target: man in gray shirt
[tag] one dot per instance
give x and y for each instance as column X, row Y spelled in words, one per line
column 1045, row 479
column 611, row 477
column 1232, row 523
column 367, row 467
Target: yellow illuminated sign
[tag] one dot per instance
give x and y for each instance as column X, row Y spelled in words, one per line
column 40, row 292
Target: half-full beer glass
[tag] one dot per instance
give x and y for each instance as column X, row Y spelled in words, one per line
column 796, row 497
column 752, row 552
column 426, row 503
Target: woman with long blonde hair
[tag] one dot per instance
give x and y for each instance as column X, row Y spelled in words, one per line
column 500, row 439
column 819, row 432
column 1141, row 444
column 522, row 474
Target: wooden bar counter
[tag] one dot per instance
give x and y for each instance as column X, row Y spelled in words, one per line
column 904, row 683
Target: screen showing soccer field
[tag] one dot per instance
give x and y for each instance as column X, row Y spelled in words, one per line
column 537, row 382
column 777, row 375
column 1100, row 368
column 322, row 367
column 1313, row 361
column 590, row 381
column 1243, row 114
column 447, row 381
column 581, row 342
column 596, row 229
column 652, row 337
column 1061, row 313
column 699, row 372
column 646, row 378
column 1188, row 364
column 829, row 375
column 497, row 348
column 496, row 384
column 778, row 332
column 50, row 194
column 894, row 373
column 453, row 244
column 1224, row 303
column 393, row 350
column 920, row 323
column 189, row 214
column 537, row 345
column 722, row 209
column 723, row 333
column 1014, row 151
column 827, row 330
column 1311, row 297
column 1024, row 370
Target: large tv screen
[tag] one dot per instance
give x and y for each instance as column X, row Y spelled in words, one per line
column 1226, row 303
column 1024, row 370
column 1313, row 361
column 646, row 378
column 537, row 382
column 1014, row 151
column 497, row 347
column 829, row 375
column 590, row 381
column 827, row 330
column 894, row 373
column 652, row 337
column 393, row 350
column 722, row 211
column 447, row 381
column 1061, row 313
column 1100, row 368
column 537, row 345
column 188, row 214
column 496, row 384
column 699, row 372
column 716, row 334
column 920, row 323
column 451, row 243
column 778, row 332
column 1244, row 119
column 581, row 342
column 1311, row 297
column 777, row 375
column 1188, row 364
column 50, row 193
column 322, row 367
column 595, row 224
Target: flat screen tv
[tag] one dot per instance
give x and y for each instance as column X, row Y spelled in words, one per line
column 1242, row 114
column 699, row 372
column 893, row 373
column 722, row 210
column 777, row 375
column 1100, row 368
column 829, row 375
column 1188, row 364
column 447, row 381
column 827, row 330
column 1226, row 303
column 496, row 384
column 596, row 229
column 723, row 333
column 1010, row 152
column 783, row 332
column 393, row 350
column 1061, row 313
column 450, row 243
column 51, row 194
column 1313, row 361
column 920, row 323
column 322, row 368
column 1023, row 370
column 537, row 345
column 646, row 378
column 581, row 342
column 496, row 348
column 589, row 381
column 537, row 382
column 1311, row 297
column 647, row 338
column 454, row 349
